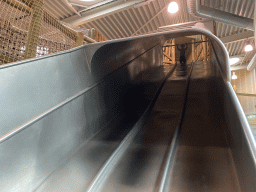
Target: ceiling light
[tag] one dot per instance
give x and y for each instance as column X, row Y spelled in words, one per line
column 248, row 48
column 234, row 76
column 234, row 60
column 173, row 7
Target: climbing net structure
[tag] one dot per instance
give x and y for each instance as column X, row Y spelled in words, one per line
column 28, row 31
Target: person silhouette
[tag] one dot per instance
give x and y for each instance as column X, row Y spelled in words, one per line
column 182, row 48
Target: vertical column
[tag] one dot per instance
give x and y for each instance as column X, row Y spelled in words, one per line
column 193, row 51
column 214, row 28
column 168, row 52
column 204, row 48
column 164, row 52
column 173, row 51
column 34, row 29
column 97, row 36
column 79, row 39
column 93, row 33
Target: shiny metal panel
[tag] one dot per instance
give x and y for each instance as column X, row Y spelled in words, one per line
column 62, row 76
column 53, row 105
column 35, row 149
column 203, row 161
column 240, row 138
column 238, row 133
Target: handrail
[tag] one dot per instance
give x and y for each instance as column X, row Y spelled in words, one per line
column 245, row 125
column 218, row 60
column 244, row 122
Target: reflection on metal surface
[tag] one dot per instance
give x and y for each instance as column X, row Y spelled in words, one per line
column 63, row 121
column 172, row 151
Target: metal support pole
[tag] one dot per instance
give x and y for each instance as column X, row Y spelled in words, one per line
column 173, row 51
column 204, row 48
column 193, row 51
column 34, row 29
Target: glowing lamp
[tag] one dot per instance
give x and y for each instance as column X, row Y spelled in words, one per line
column 234, row 76
column 173, row 7
column 248, row 48
column 233, row 61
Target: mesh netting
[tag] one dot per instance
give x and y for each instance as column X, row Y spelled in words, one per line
column 14, row 24
column 54, row 36
column 27, row 31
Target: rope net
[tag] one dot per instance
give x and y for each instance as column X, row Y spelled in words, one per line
column 27, row 31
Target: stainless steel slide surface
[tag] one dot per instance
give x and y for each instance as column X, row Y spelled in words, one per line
column 202, row 162
column 111, row 117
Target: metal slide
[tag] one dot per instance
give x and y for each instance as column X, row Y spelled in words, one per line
column 111, row 117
